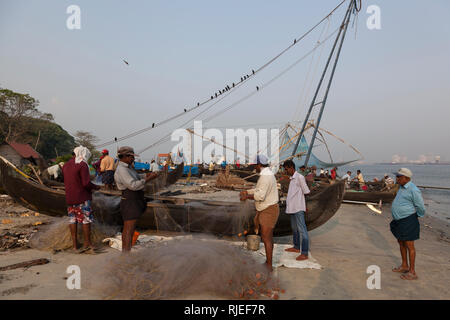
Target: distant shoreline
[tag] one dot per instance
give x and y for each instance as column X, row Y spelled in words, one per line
column 409, row 163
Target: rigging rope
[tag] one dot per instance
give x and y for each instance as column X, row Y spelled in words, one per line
column 187, row 110
column 165, row 138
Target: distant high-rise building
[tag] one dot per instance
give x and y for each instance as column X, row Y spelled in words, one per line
column 437, row 159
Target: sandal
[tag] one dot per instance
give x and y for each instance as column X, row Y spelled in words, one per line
column 399, row 269
column 409, row 276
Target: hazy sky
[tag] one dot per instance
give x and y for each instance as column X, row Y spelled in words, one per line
column 390, row 95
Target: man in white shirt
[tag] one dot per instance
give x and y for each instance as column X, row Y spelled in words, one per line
column 347, row 176
column 266, row 199
column 154, row 166
column 296, row 208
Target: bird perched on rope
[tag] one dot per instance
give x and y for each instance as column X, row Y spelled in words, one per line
column 295, row 41
column 257, row 88
column 126, row 62
column 212, row 97
column 198, row 103
column 185, row 110
column 253, row 71
column 153, row 125
column 242, row 79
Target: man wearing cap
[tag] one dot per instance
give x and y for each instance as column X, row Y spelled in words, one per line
column 79, row 188
column 266, row 199
column 107, row 170
column 132, row 203
column 407, row 206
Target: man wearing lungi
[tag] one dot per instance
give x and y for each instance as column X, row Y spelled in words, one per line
column 406, row 208
column 266, row 199
column 132, row 203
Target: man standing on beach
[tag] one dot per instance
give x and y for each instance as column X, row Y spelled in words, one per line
column 107, row 170
column 79, row 188
column 132, row 203
column 296, row 208
column 407, row 206
column 266, row 199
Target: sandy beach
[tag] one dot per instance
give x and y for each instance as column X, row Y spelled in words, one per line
column 354, row 239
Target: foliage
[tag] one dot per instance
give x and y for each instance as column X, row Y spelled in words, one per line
column 21, row 121
column 63, row 158
column 14, row 107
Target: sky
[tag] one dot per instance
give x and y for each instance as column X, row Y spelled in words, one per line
column 390, row 93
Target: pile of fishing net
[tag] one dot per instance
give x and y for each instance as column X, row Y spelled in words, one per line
column 182, row 268
column 225, row 180
column 57, row 237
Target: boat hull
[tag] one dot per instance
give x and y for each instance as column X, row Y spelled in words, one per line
column 171, row 213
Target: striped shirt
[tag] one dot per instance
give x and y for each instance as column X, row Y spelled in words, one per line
column 295, row 200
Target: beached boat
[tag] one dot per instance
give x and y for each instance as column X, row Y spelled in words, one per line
column 170, row 213
column 375, row 193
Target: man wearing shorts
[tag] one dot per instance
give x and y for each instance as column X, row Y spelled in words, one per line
column 107, row 170
column 79, row 188
column 406, row 208
column 266, row 199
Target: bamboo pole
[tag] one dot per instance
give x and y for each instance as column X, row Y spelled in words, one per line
column 431, row 187
column 35, row 173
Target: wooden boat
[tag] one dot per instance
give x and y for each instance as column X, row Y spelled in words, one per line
column 170, row 213
column 373, row 194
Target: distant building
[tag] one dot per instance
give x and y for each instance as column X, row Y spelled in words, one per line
column 21, row 154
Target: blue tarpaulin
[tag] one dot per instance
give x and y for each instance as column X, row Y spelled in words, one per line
column 141, row 166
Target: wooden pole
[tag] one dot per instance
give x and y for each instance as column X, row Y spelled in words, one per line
column 35, row 173
column 25, row 264
column 430, row 187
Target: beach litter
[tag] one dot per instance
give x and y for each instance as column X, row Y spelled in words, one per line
column 25, row 264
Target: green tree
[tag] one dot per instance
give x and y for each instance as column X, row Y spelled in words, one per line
column 21, row 121
column 49, row 138
column 14, row 108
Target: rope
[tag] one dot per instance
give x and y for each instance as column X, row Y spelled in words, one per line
column 166, row 137
column 187, row 110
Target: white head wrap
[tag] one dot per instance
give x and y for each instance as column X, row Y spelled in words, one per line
column 81, row 154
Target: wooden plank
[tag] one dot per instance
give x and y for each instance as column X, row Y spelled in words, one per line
column 25, row 264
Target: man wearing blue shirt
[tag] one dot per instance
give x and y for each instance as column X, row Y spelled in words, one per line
column 406, row 208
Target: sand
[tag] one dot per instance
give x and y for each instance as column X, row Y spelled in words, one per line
column 345, row 246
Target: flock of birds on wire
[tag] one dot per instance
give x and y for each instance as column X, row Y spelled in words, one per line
column 216, row 94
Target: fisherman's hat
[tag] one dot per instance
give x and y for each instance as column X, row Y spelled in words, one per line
column 126, row 151
column 403, row 172
column 261, row 159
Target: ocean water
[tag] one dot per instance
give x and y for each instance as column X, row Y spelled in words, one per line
column 437, row 202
